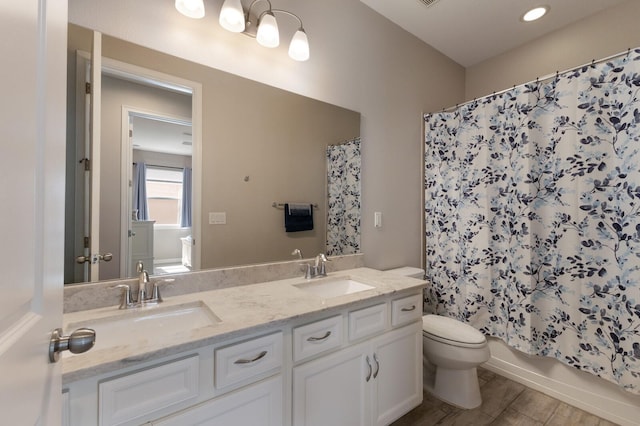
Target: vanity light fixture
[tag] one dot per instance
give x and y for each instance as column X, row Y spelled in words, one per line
column 263, row 27
column 535, row 13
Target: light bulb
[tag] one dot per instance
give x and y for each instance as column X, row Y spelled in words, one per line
column 535, row 13
column 299, row 47
column 268, row 35
column 191, row 8
column 232, row 16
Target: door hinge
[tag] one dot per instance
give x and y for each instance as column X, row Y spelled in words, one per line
column 87, row 164
column 87, row 88
column 87, row 242
column 130, row 133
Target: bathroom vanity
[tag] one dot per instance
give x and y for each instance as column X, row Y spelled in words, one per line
column 343, row 349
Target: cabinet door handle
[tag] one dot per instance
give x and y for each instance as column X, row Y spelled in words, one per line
column 318, row 339
column 375, row 358
column 249, row 361
column 370, row 369
column 412, row 308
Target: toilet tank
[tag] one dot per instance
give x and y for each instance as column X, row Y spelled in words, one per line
column 408, row 271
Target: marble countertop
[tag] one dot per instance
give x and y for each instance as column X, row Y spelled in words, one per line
column 241, row 310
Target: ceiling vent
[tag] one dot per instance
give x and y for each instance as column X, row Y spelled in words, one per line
column 429, row 2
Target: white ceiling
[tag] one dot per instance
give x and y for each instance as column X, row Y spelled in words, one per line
column 158, row 135
column 470, row 31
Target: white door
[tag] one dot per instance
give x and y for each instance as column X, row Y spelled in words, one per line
column 33, row 38
column 334, row 389
column 398, row 373
column 256, row 405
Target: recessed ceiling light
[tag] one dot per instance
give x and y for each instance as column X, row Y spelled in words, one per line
column 535, row 13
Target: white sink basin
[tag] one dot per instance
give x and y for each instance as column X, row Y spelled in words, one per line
column 333, row 287
column 139, row 325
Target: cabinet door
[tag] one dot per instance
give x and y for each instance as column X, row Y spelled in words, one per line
column 333, row 390
column 256, row 405
column 397, row 368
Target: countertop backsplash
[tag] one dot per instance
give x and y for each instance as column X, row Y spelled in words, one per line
column 80, row 297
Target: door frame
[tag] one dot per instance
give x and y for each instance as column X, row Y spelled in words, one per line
column 157, row 79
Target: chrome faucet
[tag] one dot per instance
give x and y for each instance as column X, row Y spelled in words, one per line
column 318, row 269
column 143, row 299
column 143, row 279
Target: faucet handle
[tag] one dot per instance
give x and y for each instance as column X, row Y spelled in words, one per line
column 321, row 261
column 126, row 296
column 155, row 295
column 309, row 270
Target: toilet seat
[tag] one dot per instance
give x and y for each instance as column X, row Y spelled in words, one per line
column 451, row 332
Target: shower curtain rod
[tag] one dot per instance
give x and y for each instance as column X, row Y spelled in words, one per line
column 538, row 79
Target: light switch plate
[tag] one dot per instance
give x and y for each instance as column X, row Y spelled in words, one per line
column 377, row 219
column 217, row 218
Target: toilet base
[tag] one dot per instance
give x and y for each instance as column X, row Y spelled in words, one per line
column 456, row 387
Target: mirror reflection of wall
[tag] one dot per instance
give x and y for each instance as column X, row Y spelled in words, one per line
column 260, row 145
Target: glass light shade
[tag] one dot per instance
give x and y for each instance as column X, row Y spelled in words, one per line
column 535, row 13
column 299, row 47
column 232, row 16
column 268, row 35
column 191, row 8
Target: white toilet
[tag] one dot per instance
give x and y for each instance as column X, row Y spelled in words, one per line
column 451, row 352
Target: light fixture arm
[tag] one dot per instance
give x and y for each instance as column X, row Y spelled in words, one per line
column 286, row 12
column 248, row 14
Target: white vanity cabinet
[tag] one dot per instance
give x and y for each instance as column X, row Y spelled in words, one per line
column 373, row 382
column 257, row 405
column 239, row 382
column 359, row 364
column 142, row 244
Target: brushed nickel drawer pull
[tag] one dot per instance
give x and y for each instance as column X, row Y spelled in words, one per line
column 318, row 339
column 412, row 308
column 375, row 358
column 249, row 361
column 370, row 369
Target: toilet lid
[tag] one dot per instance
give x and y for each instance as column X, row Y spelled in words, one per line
column 449, row 330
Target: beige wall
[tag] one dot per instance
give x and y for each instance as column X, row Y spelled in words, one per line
column 601, row 35
column 359, row 60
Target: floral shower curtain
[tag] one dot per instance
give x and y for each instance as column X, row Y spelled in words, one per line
column 532, row 217
column 343, row 187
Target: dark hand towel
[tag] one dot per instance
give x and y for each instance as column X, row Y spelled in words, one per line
column 298, row 217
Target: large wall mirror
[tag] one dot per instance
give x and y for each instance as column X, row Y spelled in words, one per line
column 259, row 147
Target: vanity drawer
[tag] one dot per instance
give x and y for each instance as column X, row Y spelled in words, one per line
column 317, row 337
column 142, row 394
column 368, row 321
column 406, row 310
column 248, row 360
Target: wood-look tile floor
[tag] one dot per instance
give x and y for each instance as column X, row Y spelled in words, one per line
column 504, row 402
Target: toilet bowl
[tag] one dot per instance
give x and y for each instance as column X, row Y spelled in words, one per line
column 451, row 352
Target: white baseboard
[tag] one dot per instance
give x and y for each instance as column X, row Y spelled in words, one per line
column 579, row 389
